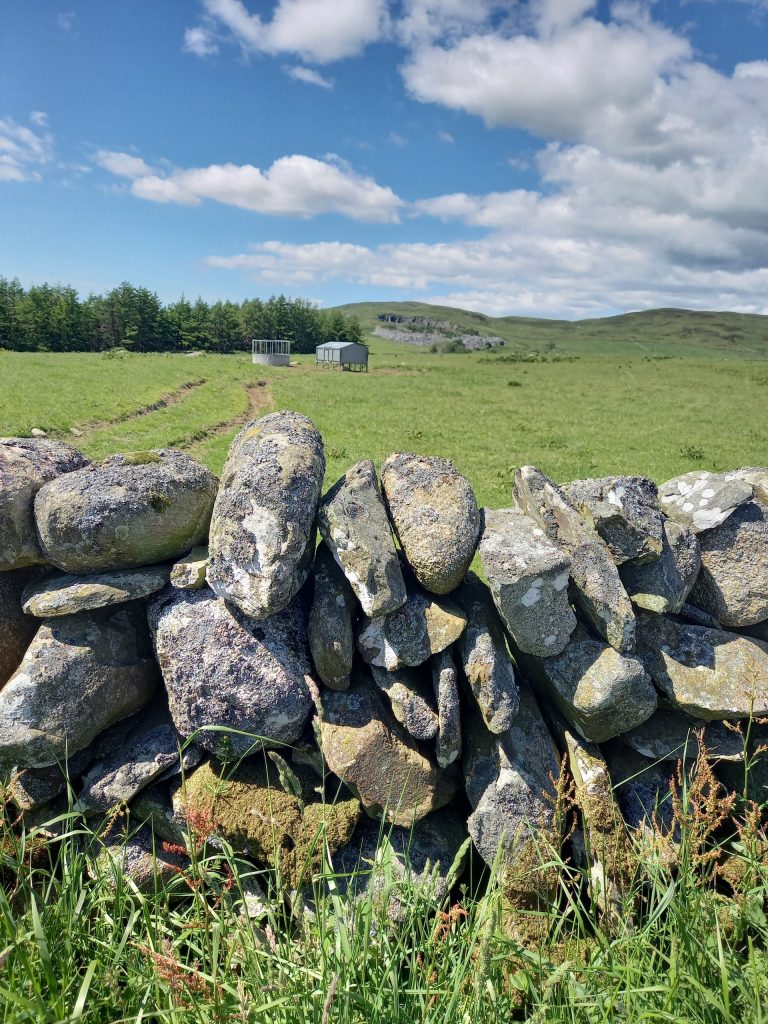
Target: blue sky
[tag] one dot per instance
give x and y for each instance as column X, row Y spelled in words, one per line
column 543, row 158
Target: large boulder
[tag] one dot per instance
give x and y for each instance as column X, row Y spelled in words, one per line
column 702, row 500
column 411, row 698
column 664, row 584
column 263, row 523
column 25, row 465
column 422, row 627
column 127, row 511
column 435, row 516
column 80, row 674
column 354, row 525
column 378, row 761
column 708, row 673
column 598, row 590
column 16, row 628
column 600, row 692
column 485, row 660
column 52, row 596
column 331, row 633
column 732, row 584
column 625, row 513
column 223, row 669
column 528, row 576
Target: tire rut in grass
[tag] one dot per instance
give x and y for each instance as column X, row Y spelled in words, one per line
column 163, row 402
column 259, row 402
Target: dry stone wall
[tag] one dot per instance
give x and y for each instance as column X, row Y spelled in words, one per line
column 619, row 625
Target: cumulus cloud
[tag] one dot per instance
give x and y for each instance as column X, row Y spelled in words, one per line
column 200, row 41
column 320, row 31
column 294, row 186
column 23, row 150
column 308, row 75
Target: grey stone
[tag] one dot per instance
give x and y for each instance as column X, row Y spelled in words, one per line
column 31, row 788
column 732, row 584
column 625, row 512
column 142, row 861
column 708, row 673
column 755, row 475
column 528, row 576
column 697, row 617
column 80, row 674
column 663, row 585
column 510, row 782
column 485, row 660
column 598, row 590
column 263, row 524
column 128, row 511
column 445, row 685
column 379, row 762
column 189, row 572
column 150, row 750
column 354, row 525
column 670, row 735
column 16, row 629
column 25, row 465
column 331, row 633
column 223, row 669
column 435, row 516
column 600, row 692
column 422, row 627
column 411, row 699
column 702, row 500
column 642, row 790
column 58, row 595
column 153, row 808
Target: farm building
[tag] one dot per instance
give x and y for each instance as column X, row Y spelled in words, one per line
column 270, row 352
column 342, row 355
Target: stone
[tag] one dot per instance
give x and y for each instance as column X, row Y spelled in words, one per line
column 599, row 692
column 755, row 475
column 25, row 465
column 58, row 595
column 224, row 669
column 37, row 432
column 80, row 674
column 598, row 590
column 141, row 861
column 732, row 584
column 189, row 572
column 127, row 511
column 484, row 658
column 752, row 783
column 697, row 617
column 708, row 673
column 354, row 524
column 153, row 808
column 331, row 622
column 664, row 584
column 435, row 516
column 702, row 500
column 422, row 857
column 422, row 627
column 379, row 762
column 31, row 788
column 625, row 512
column 642, row 790
column 445, row 686
column 411, row 699
column 16, row 629
column 263, row 523
column 528, row 576
column 150, row 750
column 670, row 735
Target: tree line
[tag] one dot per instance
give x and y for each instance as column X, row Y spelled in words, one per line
column 53, row 318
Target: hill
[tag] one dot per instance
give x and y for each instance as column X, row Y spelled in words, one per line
column 674, row 332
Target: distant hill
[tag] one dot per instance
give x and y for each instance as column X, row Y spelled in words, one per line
column 674, row 332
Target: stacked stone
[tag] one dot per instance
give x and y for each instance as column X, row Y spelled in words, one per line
column 274, row 670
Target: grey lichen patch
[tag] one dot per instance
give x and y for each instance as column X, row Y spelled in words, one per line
column 625, row 512
column 446, row 689
column 702, row 500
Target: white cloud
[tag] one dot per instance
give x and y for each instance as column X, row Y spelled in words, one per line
column 424, row 21
column 65, row 20
column 294, row 186
column 320, row 31
column 308, row 75
column 396, row 139
column 446, row 137
column 39, row 118
column 201, row 41
column 23, row 150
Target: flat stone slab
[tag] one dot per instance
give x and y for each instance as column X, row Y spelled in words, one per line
column 625, row 512
column 66, row 595
column 354, row 524
column 708, row 673
column 702, row 500
column 664, row 584
column 528, row 576
column 672, row 735
column 422, row 627
column 435, row 516
column 331, row 622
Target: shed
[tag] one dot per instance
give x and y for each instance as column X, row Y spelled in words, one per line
column 342, row 355
column 270, row 352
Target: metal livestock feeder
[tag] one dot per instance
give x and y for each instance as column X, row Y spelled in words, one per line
column 342, row 355
column 270, row 352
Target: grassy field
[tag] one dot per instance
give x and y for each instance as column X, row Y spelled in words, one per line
column 582, row 415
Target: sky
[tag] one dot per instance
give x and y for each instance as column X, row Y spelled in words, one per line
column 554, row 158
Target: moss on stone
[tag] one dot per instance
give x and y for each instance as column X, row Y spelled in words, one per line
column 140, row 458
